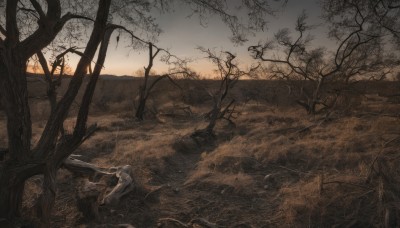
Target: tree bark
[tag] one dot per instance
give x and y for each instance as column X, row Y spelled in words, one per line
column 22, row 162
column 140, row 109
column 66, row 148
column 215, row 113
column 144, row 91
column 15, row 100
column 47, row 199
column 10, row 194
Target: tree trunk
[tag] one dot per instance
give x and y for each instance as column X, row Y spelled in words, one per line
column 144, row 90
column 140, row 110
column 215, row 113
column 11, row 192
column 22, row 162
column 316, row 97
column 15, row 99
column 142, row 99
column 47, row 199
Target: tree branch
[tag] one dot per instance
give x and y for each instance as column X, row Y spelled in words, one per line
column 38, row 8
column 81, row 132
column 48, row 139
column 69, row 16
column 46, row 33
column 12, row 36
column 3, row 30
column 81, row 120
column 45, row 67
column 53, row 9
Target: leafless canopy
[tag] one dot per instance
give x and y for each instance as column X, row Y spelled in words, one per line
column 359, row 54
column 228, row 72
column 381, row 16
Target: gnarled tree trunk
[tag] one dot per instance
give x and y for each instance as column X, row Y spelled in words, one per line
column 15, row 101
column 47, row 156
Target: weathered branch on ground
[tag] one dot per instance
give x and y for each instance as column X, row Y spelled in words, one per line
column 123, row 174
column 203, row 222
column 105, row 178
column 172, row 220
column 196, row 221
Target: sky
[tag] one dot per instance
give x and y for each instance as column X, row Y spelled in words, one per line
column 182, row 35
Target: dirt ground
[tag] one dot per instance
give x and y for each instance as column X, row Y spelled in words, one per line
column 276, row 167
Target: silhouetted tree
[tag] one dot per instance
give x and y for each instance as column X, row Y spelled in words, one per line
column 358, row 55
column 382, row 17
column 228, row 73
column 179, row 68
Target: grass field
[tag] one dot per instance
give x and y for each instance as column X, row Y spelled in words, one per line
column 275, row 167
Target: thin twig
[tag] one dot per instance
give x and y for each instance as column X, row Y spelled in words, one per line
column 203, row 222
column 292, row 170
column 371, row 167
column 174, row 220
column 153, row 191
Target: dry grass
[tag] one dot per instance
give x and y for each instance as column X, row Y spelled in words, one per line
column 271, row 170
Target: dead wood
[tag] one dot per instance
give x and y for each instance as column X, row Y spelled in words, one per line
column 124, row 186
column 196, row 221
column 82, row 168
column 203, row 223
column 103, row 177
column 115, row 226
column 162, row 221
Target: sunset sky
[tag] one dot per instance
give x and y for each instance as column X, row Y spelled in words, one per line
column 181, row 35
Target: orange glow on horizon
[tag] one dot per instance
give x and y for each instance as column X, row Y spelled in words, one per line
column 34, row 69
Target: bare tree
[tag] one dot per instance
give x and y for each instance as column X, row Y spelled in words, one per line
column 179, row 68
column 228, row 73
column 28, row 27
column 47, row 156
column 381, row 15
column 358, row 55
